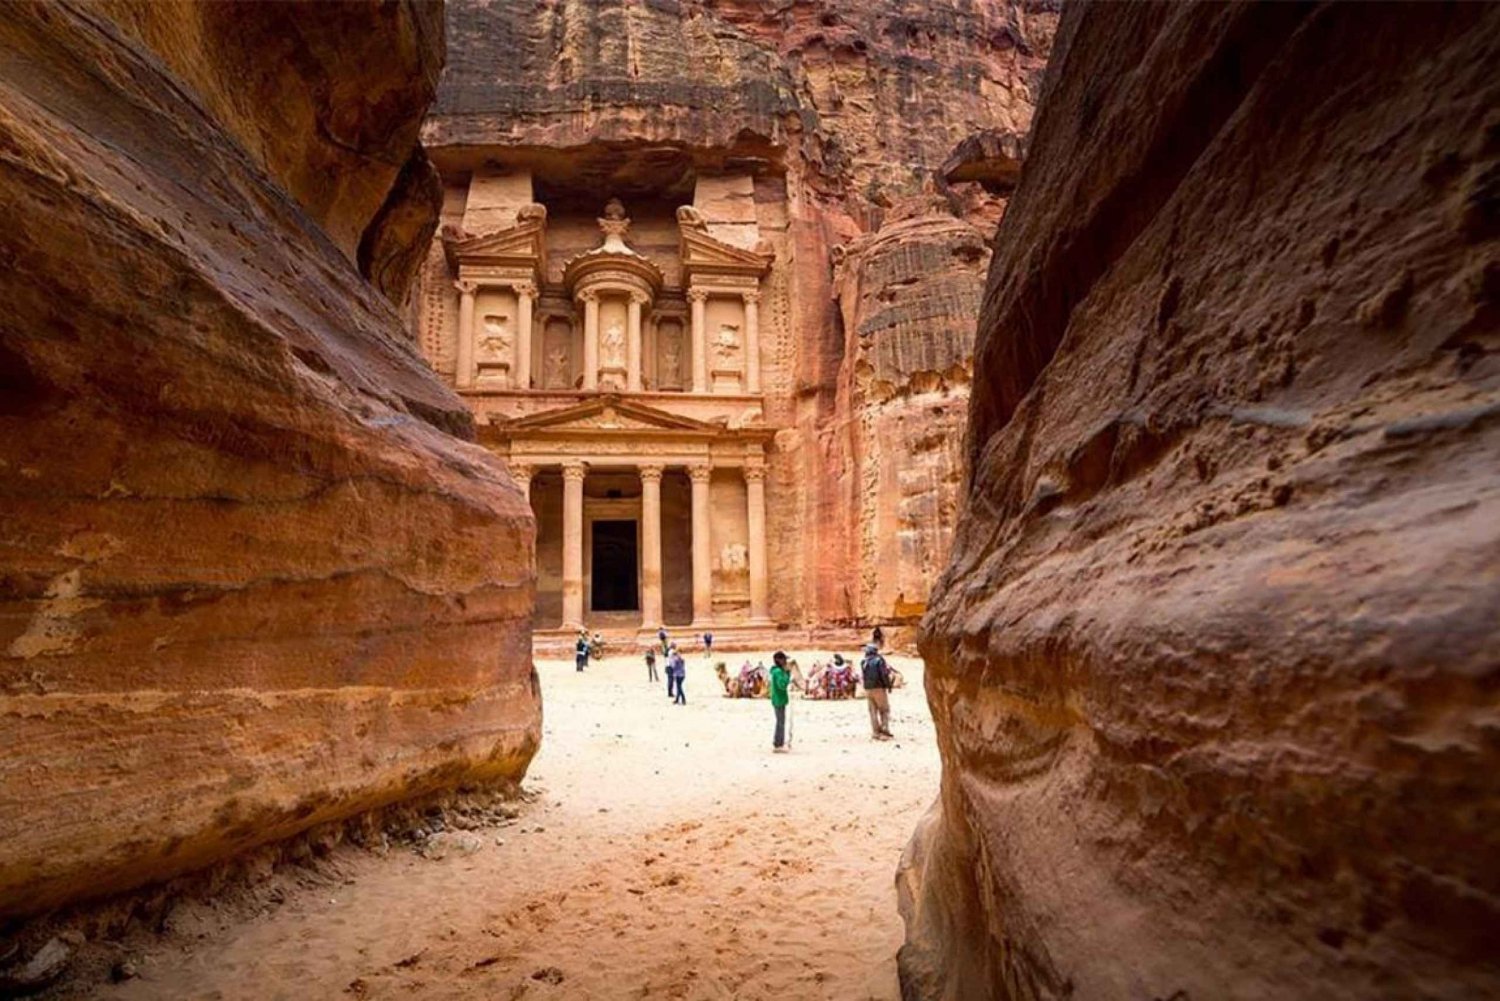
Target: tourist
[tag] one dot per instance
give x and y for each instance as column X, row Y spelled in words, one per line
column 877, row 678
column 581, row 651
column 661, row 637
column 878, row 638
column 781, row 680
column 676, row 671
column 651, row 663
column 708, row 644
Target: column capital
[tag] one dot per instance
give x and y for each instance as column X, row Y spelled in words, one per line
column 574, row 472
column 697, row 295
column 467, row 286
column 589, row 295
column 639, row 298
column 755, row 474
column 751, row 296
column 651, row 472
column 522, row 470
column 699, row 473
column 525, row 288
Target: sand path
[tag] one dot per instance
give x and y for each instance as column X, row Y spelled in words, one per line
column 669, row 855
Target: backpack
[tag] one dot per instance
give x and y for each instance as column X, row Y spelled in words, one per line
column 874, row 672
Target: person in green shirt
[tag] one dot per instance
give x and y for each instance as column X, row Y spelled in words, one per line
column 781, row 680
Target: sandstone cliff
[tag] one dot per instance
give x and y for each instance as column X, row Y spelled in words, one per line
column 1214, row 662
column 909, row 296
column 840, row 113
column 249, row 581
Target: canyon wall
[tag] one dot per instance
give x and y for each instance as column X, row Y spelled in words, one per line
column 1214, row 662
column 250, row 579
column 816, row 125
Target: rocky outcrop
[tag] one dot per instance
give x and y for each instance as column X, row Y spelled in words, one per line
column 1213, row 665
column 249, row 580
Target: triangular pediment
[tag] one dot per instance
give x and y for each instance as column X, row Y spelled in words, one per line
column 607, row 413
column 700, row 251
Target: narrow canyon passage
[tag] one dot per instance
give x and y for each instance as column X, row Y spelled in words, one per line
column 667, row 854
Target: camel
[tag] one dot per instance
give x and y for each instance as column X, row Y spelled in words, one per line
column 749, row 683
column 830, row 681
column 753, row 682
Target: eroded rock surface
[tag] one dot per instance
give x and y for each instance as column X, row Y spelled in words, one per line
column 249, row 579
column 1214, row 663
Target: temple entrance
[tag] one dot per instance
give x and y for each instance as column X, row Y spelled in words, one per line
column 616, row 567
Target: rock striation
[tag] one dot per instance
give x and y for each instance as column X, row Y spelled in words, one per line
column 250, row 579
column 1214, row 662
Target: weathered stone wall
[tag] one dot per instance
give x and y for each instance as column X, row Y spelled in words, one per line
column 1213, row 666
column 838, row 113
column 249, row 579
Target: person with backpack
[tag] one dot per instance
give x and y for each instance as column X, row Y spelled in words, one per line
column 781, row 680
column 676, row 672
column 877, row 679
column 581, row 651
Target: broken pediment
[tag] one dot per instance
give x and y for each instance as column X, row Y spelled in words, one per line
column 521, row 245
column 705, row 255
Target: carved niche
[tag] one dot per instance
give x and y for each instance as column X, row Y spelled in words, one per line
column 671, row 357
column 557, row 354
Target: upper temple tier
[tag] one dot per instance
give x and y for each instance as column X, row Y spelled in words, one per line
column 528, row 310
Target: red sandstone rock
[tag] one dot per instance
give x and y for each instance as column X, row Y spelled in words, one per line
column 1213, row 666
column 249, row 580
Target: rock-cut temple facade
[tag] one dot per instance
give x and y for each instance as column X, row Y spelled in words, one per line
column 618, row 366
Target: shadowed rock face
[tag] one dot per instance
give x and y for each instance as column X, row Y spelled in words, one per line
column 1214, row 661
column 249, row 579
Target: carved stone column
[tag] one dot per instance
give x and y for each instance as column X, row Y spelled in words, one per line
column 590, row 339
column 572, row 586
column 699, row 299
column 522, row 474
column 525, row 296
column 651, row 616
column 633, row 342
column 703, row 577
column 464, row 377
column 755, row 493
column 752, row 342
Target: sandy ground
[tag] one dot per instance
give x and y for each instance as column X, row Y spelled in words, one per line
column 668, row 854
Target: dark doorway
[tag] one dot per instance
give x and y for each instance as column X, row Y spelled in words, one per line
column 615, row 563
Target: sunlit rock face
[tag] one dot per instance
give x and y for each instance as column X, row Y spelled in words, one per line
column 819, row 132
column 251, row 578
column 1213, row 664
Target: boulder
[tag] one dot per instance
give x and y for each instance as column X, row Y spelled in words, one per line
column 1213, row 663
column 251, row 577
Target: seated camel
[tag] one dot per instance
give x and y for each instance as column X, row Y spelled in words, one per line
column 832, row 681
column 749, row 683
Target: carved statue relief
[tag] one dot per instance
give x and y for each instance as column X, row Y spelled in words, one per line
column 734, row 557
column 496, row 339
column 727, row 343
column 671, row 361
column 556, row 361
column 613, row 343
